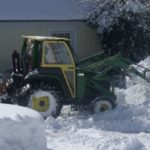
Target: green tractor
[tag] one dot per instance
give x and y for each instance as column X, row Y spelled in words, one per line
column 47, row 75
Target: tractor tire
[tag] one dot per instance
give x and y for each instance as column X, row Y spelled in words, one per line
column 42, row 98
column 101, row 104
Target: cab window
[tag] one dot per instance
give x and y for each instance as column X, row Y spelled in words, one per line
column 57, row 53
column 30, row 45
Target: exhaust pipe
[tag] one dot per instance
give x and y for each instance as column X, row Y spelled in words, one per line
column 2, row 85
column 16, row 62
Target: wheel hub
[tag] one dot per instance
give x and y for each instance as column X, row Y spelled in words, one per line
column 103, row 108
column 41, row 104
column 102, row 105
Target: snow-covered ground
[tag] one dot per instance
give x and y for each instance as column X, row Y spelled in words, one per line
column 125, row 128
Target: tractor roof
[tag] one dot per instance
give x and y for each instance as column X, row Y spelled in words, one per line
column 45, row 38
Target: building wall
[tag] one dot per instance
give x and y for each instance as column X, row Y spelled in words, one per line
column 85, row 40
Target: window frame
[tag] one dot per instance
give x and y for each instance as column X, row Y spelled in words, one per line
column 56, row 64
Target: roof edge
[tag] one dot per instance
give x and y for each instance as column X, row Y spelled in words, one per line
column 42, row 20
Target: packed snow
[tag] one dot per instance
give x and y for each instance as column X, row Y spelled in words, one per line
column 127, row 127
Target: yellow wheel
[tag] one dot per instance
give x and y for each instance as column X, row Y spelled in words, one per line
column 40, row 104
column 45, row 103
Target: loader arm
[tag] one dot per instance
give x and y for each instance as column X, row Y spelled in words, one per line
column 99, row 68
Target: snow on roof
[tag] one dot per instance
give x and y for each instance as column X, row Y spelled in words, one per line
column 41, row 38
column 40, row 10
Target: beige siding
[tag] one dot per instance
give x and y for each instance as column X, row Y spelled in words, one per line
column 86, row 41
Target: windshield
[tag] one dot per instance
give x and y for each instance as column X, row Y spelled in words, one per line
column 57, row 53
column 30, row 45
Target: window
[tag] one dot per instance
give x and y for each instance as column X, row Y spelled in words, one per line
column 57, row 53
column 64, row 35
column 30, row 46
column 49, row 54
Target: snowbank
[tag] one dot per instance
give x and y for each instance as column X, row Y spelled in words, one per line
column 115, row 130
column 21, row 129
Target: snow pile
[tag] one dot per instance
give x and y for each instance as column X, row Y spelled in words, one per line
column 125, row 128
column 21, row 129
column 106, row 131
column 138, row 90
